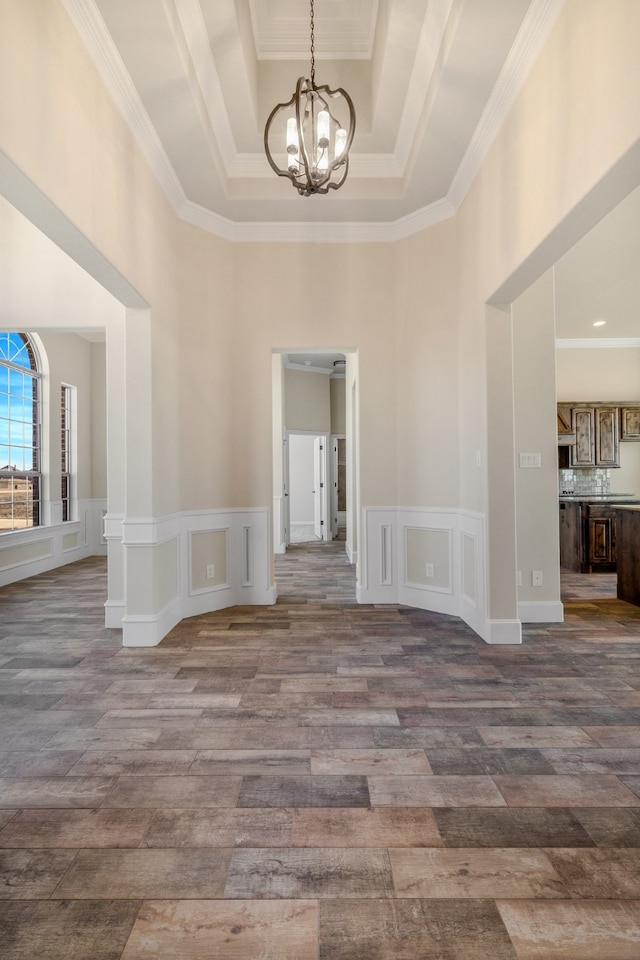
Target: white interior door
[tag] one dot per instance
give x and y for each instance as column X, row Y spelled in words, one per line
column 285, row 493
column 319, row 487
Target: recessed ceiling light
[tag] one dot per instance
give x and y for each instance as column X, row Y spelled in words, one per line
column 307, row 363
column 599, row 323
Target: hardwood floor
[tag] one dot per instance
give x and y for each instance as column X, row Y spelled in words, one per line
column 316, row 780
column 587, row 586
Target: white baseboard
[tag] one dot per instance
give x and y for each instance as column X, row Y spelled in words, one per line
column 503, row 632
column 143, row 631
column 429, row 600
column 113, row 613
column 541, row 611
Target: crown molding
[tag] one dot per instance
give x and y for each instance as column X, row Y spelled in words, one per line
column 93, row 32
column 420, row 219
column 205, row 219
column 535, row 29
column 316, row 232
column 593, row 343
column 208, row 88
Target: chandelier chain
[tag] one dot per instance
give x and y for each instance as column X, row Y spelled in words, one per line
column 313, row 37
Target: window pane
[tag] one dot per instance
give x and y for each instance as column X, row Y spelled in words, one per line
column 16, row 433
column 16, row 408
column 19, row 434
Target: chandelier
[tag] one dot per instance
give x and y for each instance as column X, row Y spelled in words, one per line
column 311, row 134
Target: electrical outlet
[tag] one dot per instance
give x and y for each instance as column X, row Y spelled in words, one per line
column 211, row 571
column 430, row 572
column 536, row 578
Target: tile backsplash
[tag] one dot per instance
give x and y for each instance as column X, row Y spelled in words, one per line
column 587, row 482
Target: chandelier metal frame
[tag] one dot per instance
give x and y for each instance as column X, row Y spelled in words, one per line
column 317, row 135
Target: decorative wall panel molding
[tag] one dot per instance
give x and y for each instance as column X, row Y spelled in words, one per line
column 431, row 559
column 27, row 553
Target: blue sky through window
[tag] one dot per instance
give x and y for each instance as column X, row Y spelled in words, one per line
column 16, row 404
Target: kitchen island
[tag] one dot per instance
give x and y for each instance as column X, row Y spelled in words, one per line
column 628, row 552
column 588, row 533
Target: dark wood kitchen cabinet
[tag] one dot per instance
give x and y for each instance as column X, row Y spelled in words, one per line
column 628, row 525
column 630, row 422
column 570, row 536
column 601, row 539
column 587, row 537
column 597, row 441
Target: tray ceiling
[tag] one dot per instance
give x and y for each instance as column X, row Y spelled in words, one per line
column 431, row 81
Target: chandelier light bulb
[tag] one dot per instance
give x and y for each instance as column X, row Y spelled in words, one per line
column 323, row 129
column 292, row 136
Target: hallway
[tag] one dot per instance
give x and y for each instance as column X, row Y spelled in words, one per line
column 316, row 780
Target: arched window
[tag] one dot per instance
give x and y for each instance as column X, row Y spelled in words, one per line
column 20, row 478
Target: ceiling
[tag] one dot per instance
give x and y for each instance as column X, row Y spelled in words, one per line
column 599, row 279
column 431, row 81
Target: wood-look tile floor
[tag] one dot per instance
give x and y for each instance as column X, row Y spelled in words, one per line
column 316, row 780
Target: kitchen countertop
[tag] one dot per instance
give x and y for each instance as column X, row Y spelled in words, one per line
column 630, row 498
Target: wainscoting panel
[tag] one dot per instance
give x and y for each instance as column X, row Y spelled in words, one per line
column 235, row 543
column 378, row 561
column 27, row 553
column 429, row 566
column 430, row 559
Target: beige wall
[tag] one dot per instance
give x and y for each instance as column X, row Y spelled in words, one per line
column 208, row 547
column 429, row 547
column 364, row 296
column 536, row 432
column 307, row 404
column 207, row 382
column 338, row 406
column 98, row 420
column 425, row 318
column 598, row 374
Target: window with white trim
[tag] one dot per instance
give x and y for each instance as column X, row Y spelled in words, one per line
column 20, row 432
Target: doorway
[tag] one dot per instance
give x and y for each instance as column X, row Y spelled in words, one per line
column 307, row 488
column 339, row 487
column 315, row 433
